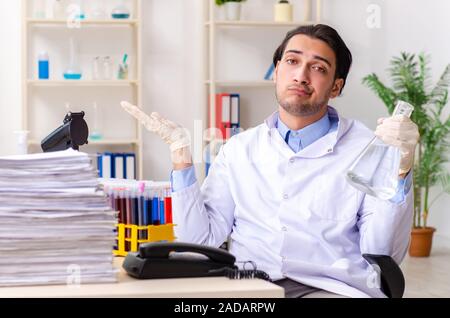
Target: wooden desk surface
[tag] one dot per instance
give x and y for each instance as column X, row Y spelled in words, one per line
column 127, row 286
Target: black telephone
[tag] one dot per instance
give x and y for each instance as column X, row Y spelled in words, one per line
column 177, row 259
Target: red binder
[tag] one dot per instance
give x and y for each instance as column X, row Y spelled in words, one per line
column 223, row 115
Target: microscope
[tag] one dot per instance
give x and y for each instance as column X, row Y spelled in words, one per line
column 72, row 133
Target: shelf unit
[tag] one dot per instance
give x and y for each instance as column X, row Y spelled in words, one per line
column 99, row 90
column 89, row 22
column 212, row 30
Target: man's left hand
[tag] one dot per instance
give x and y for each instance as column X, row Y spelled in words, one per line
column 400, row 131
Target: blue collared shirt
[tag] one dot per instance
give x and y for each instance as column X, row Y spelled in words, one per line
column 299, row 139
column 296, row 140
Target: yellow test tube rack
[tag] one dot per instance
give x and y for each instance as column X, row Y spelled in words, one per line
column 132, row 234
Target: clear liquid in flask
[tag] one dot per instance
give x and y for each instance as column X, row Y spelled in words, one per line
column 375, row 170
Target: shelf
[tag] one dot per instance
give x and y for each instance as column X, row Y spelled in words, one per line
column 256, row 23
column 62, row 22
column 104, row 142
column 39, row 93
column 110, row 142
column 82, row 82
column 261, row 83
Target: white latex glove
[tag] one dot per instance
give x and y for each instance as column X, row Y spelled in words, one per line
column 400, row 131
column 174, row 135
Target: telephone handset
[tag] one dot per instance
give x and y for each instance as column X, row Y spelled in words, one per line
column 177, row 259
column 163, row 250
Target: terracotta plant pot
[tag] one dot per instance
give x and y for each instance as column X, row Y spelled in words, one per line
column 421, row 241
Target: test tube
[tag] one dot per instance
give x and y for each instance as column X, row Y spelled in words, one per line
column 135, row 204
column 168, row 206
column 148, row 201
column 162, row 216
column 155, row 208
column 122, row 206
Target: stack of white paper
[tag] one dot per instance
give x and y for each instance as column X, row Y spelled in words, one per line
column 55, row 223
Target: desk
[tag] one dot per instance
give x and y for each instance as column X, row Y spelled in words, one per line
column 210, row 287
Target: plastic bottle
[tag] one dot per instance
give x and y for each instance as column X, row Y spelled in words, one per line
column 43, row 65
column 375, row 170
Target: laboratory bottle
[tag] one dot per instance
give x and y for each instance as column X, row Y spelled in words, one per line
column 376, row 169
column 43, row 65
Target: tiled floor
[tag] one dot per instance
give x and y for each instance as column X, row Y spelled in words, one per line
column 429, row 276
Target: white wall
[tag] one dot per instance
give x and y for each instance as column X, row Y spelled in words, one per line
column 172, row 73
column 173, row 63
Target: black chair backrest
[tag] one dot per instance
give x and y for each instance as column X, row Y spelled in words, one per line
column 392, row 279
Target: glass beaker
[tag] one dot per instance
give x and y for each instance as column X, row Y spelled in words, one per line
column 375, row 170
column 96, row 68
column 107, row 68
column 96, row 133
column 98, row 12
column 73, row 70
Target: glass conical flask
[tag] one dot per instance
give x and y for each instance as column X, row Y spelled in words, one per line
column 375, row 170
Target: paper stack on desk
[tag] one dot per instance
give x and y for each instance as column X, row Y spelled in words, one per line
column 56, row 226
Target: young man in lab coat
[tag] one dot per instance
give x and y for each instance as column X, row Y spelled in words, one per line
column 278, row 190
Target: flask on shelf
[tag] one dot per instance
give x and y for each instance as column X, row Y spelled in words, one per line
column 375, row 170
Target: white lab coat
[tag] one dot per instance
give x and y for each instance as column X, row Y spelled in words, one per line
column 294, row 214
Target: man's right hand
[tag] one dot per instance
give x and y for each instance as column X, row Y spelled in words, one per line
column 174, row 135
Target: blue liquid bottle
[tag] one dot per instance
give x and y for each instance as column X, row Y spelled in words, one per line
column 43, row 65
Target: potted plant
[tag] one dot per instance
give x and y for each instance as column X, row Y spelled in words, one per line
column 232, row 8
column 410, row 77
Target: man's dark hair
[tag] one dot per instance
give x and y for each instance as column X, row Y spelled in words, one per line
column 328, row 35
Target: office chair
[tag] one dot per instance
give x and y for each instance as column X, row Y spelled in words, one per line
column 392, row 279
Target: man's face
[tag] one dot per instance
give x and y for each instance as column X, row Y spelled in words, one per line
column 305, row 76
